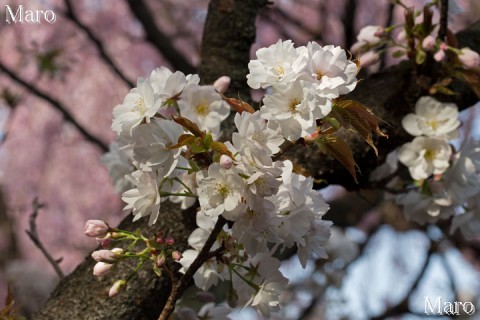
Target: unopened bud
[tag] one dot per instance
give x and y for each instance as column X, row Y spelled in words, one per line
column 469, row 58
column 169, row 241
column 401, row 36
column 439, row 55
column 176, row 255
column 428, row 43
column 103, row 256
column 311, row 136
column 96, row 228
column 369, row 58
column 116, row 288
column 221, row 84
column 101, row 268
column 160, row 260
column 226, row 162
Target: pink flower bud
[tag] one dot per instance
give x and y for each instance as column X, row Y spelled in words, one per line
column 116, row 288
column 107, row 255
column 169, row 241
column 469, row 58
column 160, row 260
column 312, row 136
column 103, row 256
column 101, row 268
column 428, row 43
column 443, row 46
column 221, row 84
column 369, row 58
column 401, row 36
column 439, row 55
column 96, row 228
column 226, row 162
column 176, row 255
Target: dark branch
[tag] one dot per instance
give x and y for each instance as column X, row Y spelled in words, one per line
column 157, row 38
column 402, row 307
column 70, row 14
column 348, row 21
column 442, row 31
column 33, row 234
column 57, row 105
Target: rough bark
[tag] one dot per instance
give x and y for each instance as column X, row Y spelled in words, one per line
column 228, row 36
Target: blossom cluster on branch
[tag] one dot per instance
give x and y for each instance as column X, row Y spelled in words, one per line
column 168, row 148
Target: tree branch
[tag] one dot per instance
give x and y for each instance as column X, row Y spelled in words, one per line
column 442, row 31
column 157, row 38
column 33, row 234
column 72, row 16
column 402, row 307
column 57, row 105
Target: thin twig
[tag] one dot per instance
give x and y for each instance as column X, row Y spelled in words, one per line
column 56, row 104
column 72, row 16
column 402, row 307
column 33, row 234
column 179, row 287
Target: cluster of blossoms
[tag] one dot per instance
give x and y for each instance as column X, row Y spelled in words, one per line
column 446, row 183
column 416, row 39
column 167, row 148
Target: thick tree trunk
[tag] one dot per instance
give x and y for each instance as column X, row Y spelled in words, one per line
column 229, row 32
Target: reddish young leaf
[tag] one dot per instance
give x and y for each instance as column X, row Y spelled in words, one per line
column 340, row 150
column 355, row 116
column 239, row 105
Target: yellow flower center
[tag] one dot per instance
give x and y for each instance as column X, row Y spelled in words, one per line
column 223, row 190
column 429, row 155
column 139, row 107
column 319, row 74
column 433, row 124
column 279, row 69
column 292, row 104
column 202, row 108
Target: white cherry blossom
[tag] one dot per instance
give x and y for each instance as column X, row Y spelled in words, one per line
column 140, row 104
column 152, row 140
column 330, row 71
column 118, row 161
column 277, row 65
column 204, row 106
column 220, row 191
column 144, row 199
column 462, row 180
column 432, row 118
column 295, row 109
column 425, row 156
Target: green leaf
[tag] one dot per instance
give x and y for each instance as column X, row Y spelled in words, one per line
column 420, row 56
column 398, row 53
column 340, row 150
column 356, row 117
